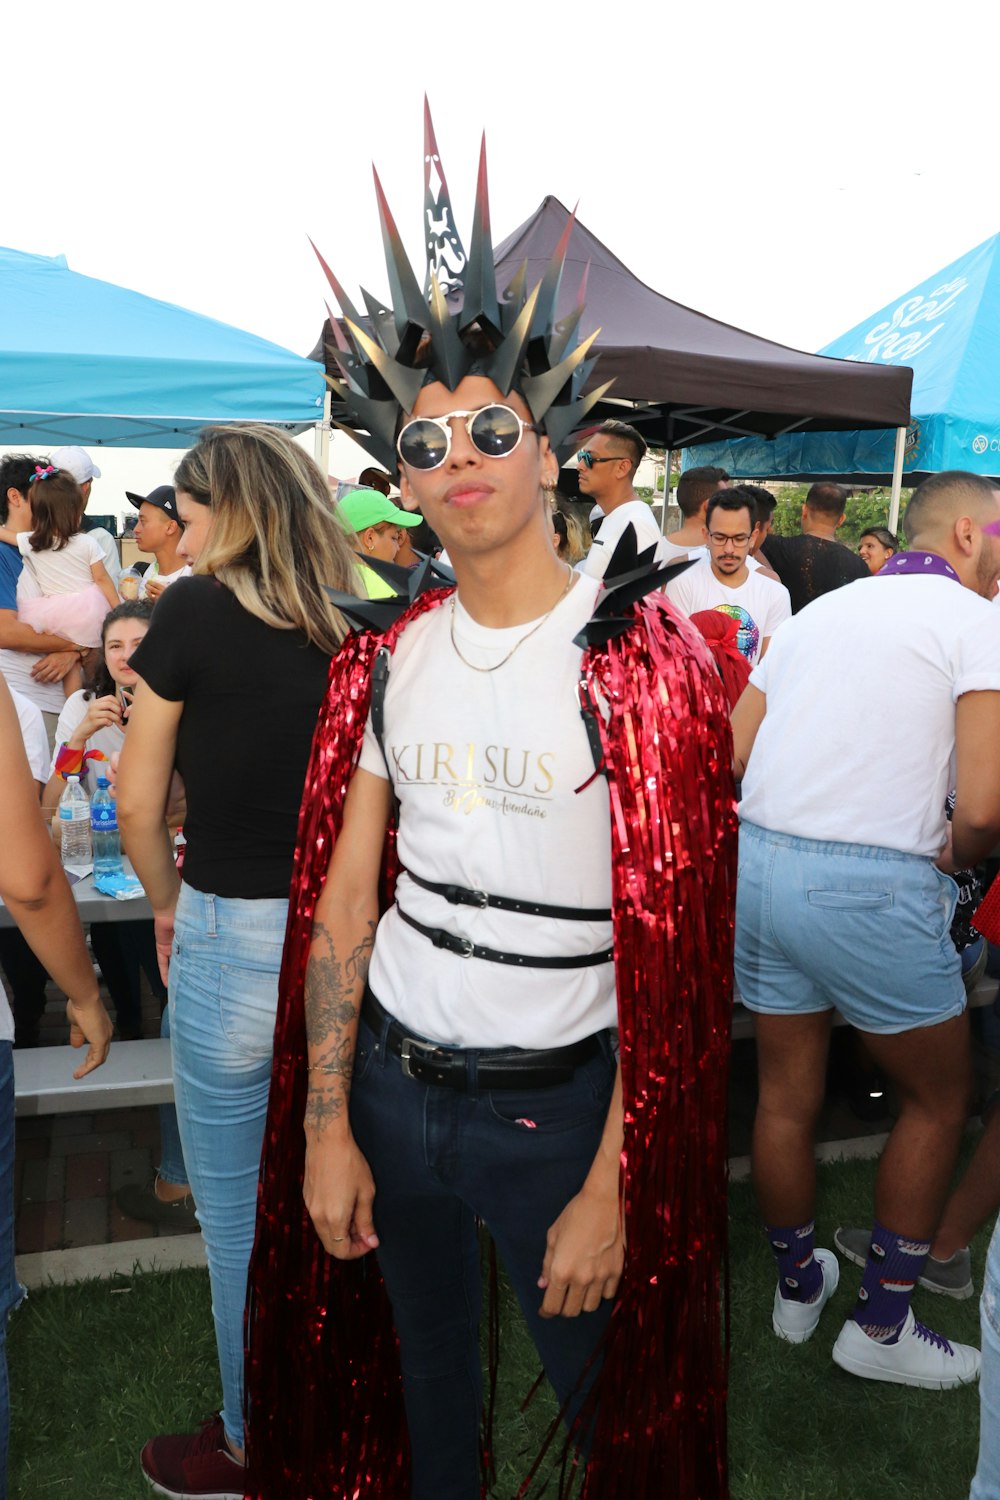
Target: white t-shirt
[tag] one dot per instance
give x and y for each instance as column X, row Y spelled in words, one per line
column 154, row 572
column 109, row 552
column 36, row 741
column 65, row 570
column 759, row 605
column 672, row 553
column 110, row 740
column 634, row 513
column 487, row 768
column 858, row 741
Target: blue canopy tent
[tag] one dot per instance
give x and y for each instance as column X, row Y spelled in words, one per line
column 948, row 330
column 83, row 361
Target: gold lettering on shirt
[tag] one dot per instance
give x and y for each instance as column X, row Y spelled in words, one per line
column 501, row 778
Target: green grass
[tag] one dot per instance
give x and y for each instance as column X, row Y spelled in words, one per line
column 99, row 1367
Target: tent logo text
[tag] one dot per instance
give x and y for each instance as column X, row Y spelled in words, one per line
column 891, row 341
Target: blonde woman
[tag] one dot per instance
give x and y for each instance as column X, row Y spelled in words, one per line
column 567, row 535
column 233, row 671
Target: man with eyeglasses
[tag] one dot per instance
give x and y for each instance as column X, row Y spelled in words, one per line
column 606, row 469
column 726, row 581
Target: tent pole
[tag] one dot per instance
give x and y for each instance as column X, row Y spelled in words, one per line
column 897, row 478
column 668, row 464
column 321, row 446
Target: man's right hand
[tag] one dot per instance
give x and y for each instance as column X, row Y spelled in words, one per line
column 55, row 666
column 339, row 1192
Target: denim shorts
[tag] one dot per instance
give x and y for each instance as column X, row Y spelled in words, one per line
column 852, row 926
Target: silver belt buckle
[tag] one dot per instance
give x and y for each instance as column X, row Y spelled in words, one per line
column 406, row 1055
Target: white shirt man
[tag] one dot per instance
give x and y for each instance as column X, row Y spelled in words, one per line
column 78, row 462
column 159, row 530
column 725, row 581
column 831, row 875
column 606, row 470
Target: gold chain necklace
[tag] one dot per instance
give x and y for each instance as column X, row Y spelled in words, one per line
column 570, row 575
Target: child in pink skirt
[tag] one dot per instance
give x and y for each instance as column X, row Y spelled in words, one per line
column 64, row 587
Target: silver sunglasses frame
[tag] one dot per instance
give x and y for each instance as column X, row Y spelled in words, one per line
column 469, row 417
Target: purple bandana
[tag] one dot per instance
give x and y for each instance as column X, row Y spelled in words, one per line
column 920, row 562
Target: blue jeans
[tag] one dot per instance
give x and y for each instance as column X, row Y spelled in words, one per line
column 986, row 1484
column 223, row 997
column 10, row 1292
column 440, row 1159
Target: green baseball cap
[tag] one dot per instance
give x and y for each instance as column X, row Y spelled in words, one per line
column 361, row 508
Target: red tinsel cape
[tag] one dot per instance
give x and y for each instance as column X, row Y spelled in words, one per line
column 325, row 1411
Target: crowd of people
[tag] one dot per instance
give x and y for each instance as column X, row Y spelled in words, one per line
column 534, row 770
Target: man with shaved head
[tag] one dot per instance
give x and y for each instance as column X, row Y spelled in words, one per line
column 815, row 562
column 843, row 900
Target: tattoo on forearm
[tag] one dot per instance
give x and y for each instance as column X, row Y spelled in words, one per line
column 331, row 1012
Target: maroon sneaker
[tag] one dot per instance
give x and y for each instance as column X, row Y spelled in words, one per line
column 194, row 1466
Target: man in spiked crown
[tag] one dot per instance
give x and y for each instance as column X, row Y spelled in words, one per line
column 513, row 1010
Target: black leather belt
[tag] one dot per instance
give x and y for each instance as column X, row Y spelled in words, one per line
column 495, row 1067
column 465, row 948
column 461, row 895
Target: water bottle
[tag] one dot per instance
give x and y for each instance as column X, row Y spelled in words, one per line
column 74, row 827
column 104, row 830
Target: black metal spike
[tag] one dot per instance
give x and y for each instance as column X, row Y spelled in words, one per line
column 480, row 304
column 407, row 302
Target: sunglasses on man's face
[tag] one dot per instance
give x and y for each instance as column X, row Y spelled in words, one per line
column 495, row 431
column 588, row 459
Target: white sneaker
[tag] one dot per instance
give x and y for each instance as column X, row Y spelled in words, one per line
column 918, row 1357
column 797, row 1321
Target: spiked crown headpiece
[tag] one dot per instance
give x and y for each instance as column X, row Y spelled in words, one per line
column 425, row 336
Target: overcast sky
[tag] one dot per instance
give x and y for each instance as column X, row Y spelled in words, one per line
column 784, row 167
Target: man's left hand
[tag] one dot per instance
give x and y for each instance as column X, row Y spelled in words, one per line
column 584, row 1256
column 54, row 666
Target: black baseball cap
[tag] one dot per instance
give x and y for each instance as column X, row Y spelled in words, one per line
column 163, row 497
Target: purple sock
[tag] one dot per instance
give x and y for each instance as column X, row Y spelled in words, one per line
column 893, row 1269
column 800, row 1275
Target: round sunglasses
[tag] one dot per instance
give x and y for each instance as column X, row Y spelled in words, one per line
column 495, row 431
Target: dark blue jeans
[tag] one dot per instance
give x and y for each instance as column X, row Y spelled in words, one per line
column 440, row 1159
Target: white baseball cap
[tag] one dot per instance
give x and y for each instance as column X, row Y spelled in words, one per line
column 76, row 462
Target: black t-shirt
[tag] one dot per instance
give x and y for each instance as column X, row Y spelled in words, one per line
column 812, row 565
column 251, row 696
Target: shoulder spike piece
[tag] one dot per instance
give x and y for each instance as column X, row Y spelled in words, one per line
column 446, row 258
column 506, row 362
column 410, row 583
column 402, row 382
column 480, row 303
column 451, row 358
column 404, row 293
column 540, row 391
column 367, row 614
column 548, row 294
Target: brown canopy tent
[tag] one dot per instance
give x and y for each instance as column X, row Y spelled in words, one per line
column 684, row 378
